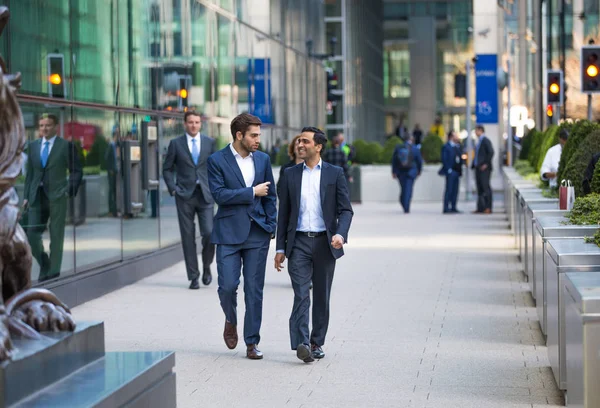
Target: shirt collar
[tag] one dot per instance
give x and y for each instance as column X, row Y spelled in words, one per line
column 50, row 141
column 236, row 154
column 318, row 166
column 189, row 138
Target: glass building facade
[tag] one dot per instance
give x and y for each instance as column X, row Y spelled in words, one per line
column 452, row 45
column 109, row 69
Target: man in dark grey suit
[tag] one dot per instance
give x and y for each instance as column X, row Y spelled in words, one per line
column 314, row 218
column 186, row 158
column 484, row 154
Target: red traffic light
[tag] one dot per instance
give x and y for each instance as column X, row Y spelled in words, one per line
column 549, row 111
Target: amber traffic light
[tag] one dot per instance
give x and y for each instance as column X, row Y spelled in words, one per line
column 56, row 74
column 590, row 68
column 554, row 87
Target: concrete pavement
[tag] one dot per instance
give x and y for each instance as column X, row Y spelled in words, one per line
column 428, row 310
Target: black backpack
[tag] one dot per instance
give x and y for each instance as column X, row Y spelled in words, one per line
column 403, row 157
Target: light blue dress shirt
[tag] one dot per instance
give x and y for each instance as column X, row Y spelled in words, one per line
column 310, row 217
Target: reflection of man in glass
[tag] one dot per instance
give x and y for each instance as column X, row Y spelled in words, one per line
column 51, row 160
column 111, row 159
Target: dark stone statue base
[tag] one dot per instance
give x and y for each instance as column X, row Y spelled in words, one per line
column 73, row 370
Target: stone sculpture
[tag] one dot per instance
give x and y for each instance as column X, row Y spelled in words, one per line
column 24, row 311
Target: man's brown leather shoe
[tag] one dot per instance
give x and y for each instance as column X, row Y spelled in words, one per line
column 253, row 353
column 230, row 335
column 487, row 211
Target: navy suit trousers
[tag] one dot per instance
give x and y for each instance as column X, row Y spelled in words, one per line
column 249, row 258
column 451, row 193
column 406, row 189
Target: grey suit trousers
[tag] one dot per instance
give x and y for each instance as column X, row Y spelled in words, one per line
column 187, row 210
column 311, row 259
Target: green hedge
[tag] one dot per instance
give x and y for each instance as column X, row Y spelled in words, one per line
column 534, row 150
column 385, row 157
column 549, row 139
column 523, row 167
column 579, row 160
column 431, row 149
column 586, row 210
column 596, row 180
column 526, row 144
column 579, row 131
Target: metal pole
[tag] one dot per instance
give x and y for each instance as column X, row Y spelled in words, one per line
column 468, row 124
column 509, row 136
column 589, row 115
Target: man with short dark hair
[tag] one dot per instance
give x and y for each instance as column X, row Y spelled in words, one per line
column 452, row 171
column 241, row 182
column 484, row 154
column 54, row 174
column 185, row 174
column 336, row 156
column 407, row 164
column 314, row 219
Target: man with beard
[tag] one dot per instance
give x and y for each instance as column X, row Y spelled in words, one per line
column 314, row 219
column 241, row 182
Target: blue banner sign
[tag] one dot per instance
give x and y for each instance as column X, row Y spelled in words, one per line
column 259, row 89
column 486, row 106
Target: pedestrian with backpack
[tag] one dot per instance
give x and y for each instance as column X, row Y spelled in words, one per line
column 406, row 167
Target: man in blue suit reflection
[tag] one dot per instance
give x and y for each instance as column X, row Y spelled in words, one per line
column 406, row 167
column 241, row 182
column 451, row 169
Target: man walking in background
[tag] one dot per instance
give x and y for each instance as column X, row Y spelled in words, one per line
column 314, row 219
column 484, row 154
column 549, row 167
column 185, row 174
column 241, row 181
column 406, row 167
column 337, row 157
column 54, row 174
column 452, row 171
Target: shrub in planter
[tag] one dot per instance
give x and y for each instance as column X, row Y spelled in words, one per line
column 388, row 150
column 596, row 180
column 534, row 150
column 579, row 160
column 526, row 144
column 549, row 139
column 96, row 155
column 523, row 168
column 586, row 210
column 372, row 152
column 92, row 170
column 579, row 131
column 431, row 149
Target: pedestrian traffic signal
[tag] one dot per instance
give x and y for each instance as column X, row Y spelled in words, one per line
column 56, row 76
column 332, row 83
column 183, row 94
column 590, row 68
column 554, row 87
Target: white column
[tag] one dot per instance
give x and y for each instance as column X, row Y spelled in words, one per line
column 488, row 36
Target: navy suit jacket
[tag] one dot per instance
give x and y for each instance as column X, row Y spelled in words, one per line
column 415, row 170
column 237, row 205
column 335, row 203
column 451, row 159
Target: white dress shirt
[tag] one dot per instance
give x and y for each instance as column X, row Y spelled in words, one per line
column 246, row 165
column 197, row 139
column 550, row 164
column 310, row 216
column 51, row 143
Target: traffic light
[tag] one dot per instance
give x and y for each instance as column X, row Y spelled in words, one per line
column 56, row 76
column 554, row 87
column 332, row 83
column 460, row 86
column 183, row 94
column 549, row 111
column 590, row 68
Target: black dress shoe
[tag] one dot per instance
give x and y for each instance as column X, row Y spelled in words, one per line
column 194, row 284
column 303, row 353
column 457, row 211
column 317, row 351
column 206, row 277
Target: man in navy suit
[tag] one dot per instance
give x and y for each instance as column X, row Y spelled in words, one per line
column 452, row 170
column 314, row 218
column 406, row 167
column 241, row 182
column 484, row 154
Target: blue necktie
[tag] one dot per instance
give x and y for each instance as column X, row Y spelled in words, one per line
column 195, row 152
column 45, row 152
